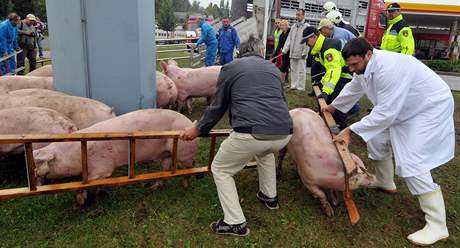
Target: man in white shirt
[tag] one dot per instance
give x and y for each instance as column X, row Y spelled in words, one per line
column 413, row 115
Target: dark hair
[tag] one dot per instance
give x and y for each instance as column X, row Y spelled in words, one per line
column 251, row 47
column 301, row 10
column 12, row 16
column 356, row 47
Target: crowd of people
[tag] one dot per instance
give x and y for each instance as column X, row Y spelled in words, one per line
column 412, row 116
column 15, row 35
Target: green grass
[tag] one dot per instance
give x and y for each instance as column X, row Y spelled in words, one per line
column 173, row 216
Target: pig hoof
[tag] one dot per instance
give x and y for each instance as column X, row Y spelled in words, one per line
column 186, row 182
column 157, row 185
column 327, row 209
column 81, row 198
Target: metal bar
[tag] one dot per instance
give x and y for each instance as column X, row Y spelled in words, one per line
column 84, row 162
column 132, row 158
column 178, row 39
column 176, row 50
column 212, row 151
column 30, row 166
column 175, row 58
column 174, row 155
column 170, row 45
column 10, row 55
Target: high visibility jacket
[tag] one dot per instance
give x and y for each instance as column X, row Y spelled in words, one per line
column 277, row 35
column 327, row 52
column 398, row 37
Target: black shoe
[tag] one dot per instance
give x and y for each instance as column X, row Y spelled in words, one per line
column 270, row 203
column 312, row 93
column 220, row 227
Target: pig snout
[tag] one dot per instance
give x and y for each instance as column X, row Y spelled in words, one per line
column 42, row 160
column 362, row 178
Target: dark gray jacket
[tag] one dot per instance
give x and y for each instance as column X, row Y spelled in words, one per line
column 252, row 90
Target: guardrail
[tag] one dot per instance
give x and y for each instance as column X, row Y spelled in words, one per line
column 4, row 60
column 196, row 56
column 83, row 138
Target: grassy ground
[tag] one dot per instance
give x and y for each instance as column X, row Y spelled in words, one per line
column 173, row 216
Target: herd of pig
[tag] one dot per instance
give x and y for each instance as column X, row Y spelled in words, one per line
column 29, row 104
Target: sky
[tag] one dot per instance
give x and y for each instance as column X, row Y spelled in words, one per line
column 205, row 3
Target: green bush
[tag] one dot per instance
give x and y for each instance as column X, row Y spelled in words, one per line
column 439, row 65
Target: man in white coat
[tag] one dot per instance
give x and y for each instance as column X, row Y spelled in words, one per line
column 413, row 114
column 298, row 51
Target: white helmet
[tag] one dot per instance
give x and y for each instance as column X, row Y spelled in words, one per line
column 328, row 7
column 335, row 16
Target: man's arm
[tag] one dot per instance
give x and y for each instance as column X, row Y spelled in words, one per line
column 203, row 36
column 392, row 89
column 406, row 40
column 219, row 104
column 333, row 67
column 3, row 33
column 287, row 44
column 349, row 96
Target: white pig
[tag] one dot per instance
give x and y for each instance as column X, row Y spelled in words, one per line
column 10, row 83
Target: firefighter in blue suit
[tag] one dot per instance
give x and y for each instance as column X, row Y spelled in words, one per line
column 9, row 42
column 207, row 37
column 228, row 40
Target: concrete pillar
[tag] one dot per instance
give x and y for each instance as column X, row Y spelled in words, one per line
column 453, row 31
column 104, row 50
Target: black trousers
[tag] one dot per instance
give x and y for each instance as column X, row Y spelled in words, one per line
column 31, row 54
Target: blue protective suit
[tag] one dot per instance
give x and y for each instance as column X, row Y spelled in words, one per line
column 228, row 40
column 208, row 37
column 8, row 43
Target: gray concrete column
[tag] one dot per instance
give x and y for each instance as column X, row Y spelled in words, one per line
column 453, row 31
column 104, row 50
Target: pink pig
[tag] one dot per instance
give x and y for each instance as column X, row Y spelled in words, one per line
column 317, row 159
column 200, row 82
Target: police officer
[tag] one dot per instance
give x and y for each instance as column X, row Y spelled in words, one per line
column 336, row 17
column 207, row 37
column 398, row 36
column 227, row 42
column 328, row 53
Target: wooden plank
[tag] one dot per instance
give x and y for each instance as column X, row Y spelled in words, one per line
column 330, row 122
column 84, row 162
column 53, row 188
column 212, row 151
column 174, row 155
column 37, row 138
column 30, row 167
column 132, row 158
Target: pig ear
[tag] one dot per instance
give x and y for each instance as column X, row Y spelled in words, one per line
column 41, row 156
column 164, row 66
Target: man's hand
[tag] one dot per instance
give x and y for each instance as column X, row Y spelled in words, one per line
column 190, row 133
column 5, row 54
column 237, row 52
column 328, row 108
column 193, row 46
column 343, row 137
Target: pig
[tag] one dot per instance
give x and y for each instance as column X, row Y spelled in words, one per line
column 83, row 112
column 31, row 120
column 190, row 82
column 36, row 92
column 166, row 91
column 44, row 71
column 59, row 160
column 10, row 83
column 317, row 159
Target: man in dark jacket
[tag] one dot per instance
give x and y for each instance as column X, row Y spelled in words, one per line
column 251, row 90
column 228, row 41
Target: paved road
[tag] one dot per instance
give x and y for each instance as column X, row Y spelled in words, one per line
column 452, row 81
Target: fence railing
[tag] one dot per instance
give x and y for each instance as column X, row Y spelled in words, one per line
column 85, row 183
column 4, row 62
column 179, row 45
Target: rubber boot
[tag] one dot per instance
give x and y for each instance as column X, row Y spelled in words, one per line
column 384, row 172
column 432, row 204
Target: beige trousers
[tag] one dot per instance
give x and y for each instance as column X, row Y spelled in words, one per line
column 298, row 73
column 233, row 154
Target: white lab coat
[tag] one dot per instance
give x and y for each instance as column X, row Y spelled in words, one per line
column 412, row 103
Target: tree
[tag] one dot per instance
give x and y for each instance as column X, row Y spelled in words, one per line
column 166, row 19
column 6, row 6
column 195, row 7
column 227, row 8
